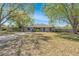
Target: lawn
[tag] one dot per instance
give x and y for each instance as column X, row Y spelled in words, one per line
column 42, row 43
column 5, row 33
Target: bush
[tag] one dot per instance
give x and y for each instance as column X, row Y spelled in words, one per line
column 15, row 29
column 4, row 29
column 57, row 30
column 78, row 29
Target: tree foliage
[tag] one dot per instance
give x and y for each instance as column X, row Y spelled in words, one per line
column 65, row 12
column 21, row 18
column 19, row 13
column 7, row 10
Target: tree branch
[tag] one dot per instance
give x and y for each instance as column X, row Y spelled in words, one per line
column 1, row 11
column 66, row 12
column 7, row 16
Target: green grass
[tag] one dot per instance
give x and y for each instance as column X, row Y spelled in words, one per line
column 69, row 36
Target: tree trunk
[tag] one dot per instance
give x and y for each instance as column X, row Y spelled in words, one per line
column 21, row 28
column 0, row 28
column 74, row 28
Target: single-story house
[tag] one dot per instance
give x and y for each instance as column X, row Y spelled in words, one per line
column 39, row 28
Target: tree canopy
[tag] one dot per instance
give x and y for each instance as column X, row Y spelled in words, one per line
column 63, row 11
column 19, row 13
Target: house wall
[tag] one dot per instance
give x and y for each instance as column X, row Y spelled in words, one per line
column 41, row 29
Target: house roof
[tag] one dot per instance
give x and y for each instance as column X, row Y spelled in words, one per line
column 40, row 25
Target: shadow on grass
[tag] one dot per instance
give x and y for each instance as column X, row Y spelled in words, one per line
column 39, row 36
column 35, row 38
column 68, row 36
column 32, row 40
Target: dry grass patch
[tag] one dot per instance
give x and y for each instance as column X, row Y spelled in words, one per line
column 5, row 33
column 40, row 43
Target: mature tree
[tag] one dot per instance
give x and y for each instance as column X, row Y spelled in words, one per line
column 22, row 16
column 66, row 12
column 6, row 9
column 21, row 19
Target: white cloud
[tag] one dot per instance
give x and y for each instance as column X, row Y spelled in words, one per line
column 41, row 18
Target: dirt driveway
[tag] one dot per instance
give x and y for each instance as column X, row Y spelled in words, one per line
column 39, row 43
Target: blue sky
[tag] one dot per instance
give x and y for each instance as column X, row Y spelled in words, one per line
column 41, row 18
column 39, row 15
